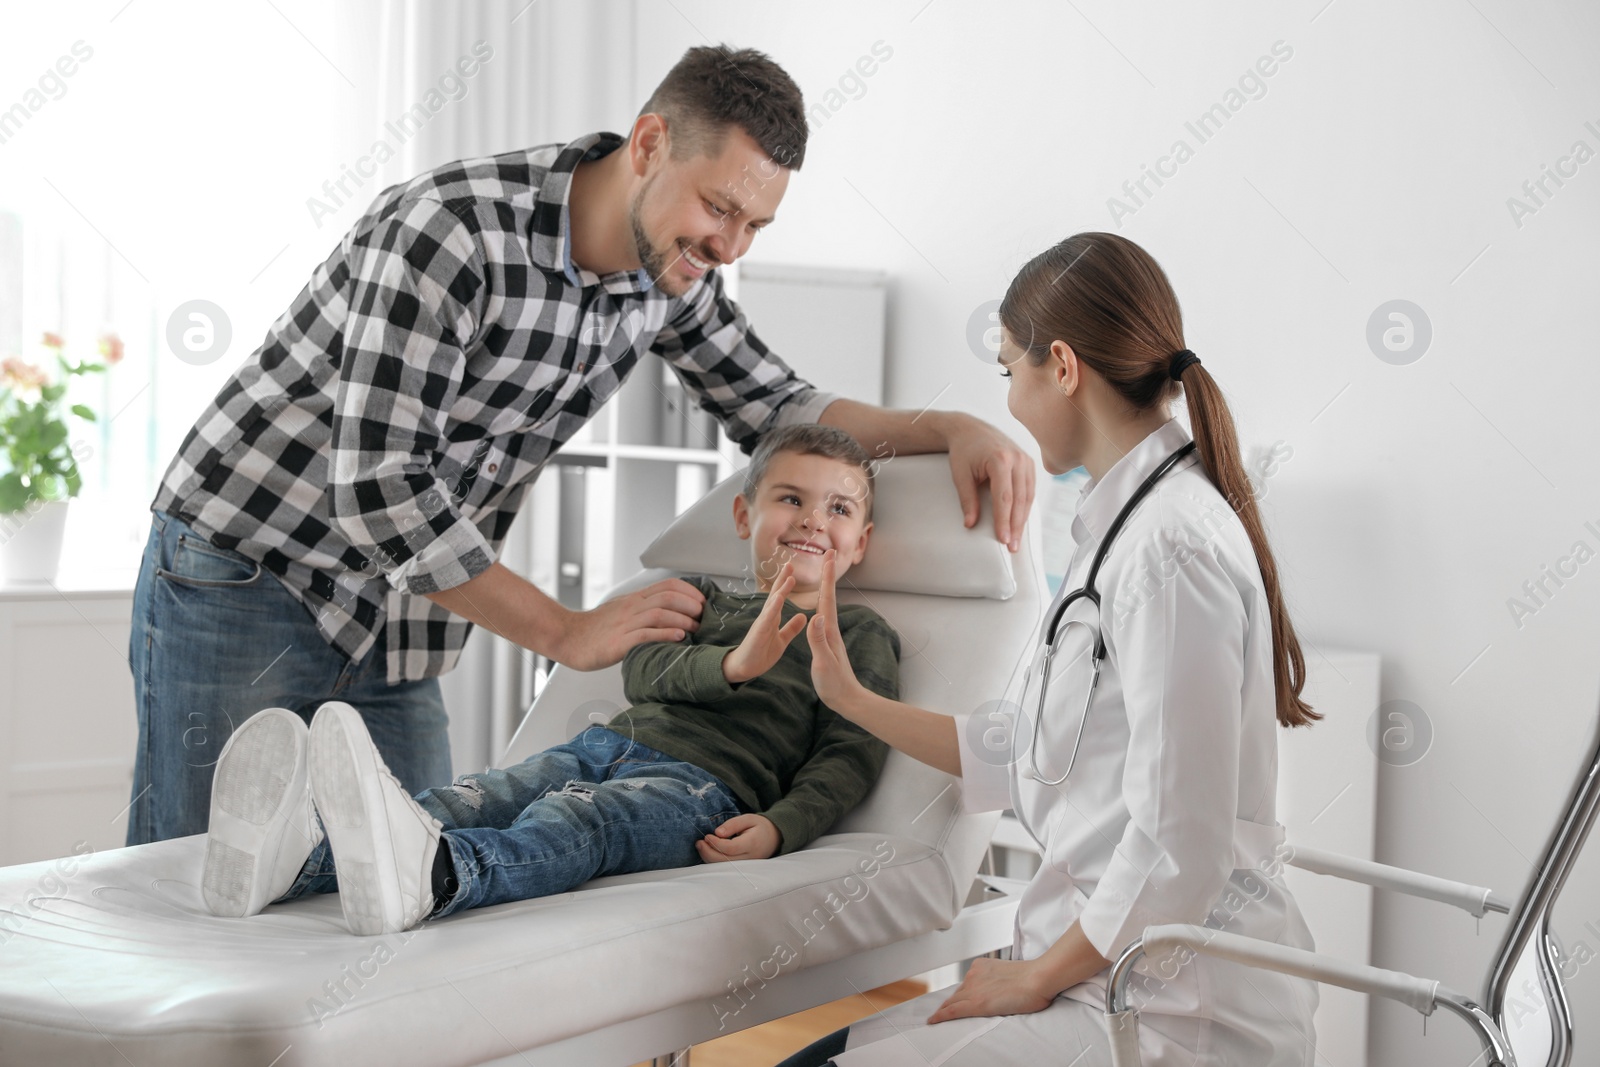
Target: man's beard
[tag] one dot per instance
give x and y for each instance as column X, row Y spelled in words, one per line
column 654, row 261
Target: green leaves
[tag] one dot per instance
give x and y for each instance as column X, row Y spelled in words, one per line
column 84, row 367
column 34, row 445
column 14, row 496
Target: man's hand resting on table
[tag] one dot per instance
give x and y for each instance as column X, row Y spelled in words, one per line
column 765, row 641
column 743, row 837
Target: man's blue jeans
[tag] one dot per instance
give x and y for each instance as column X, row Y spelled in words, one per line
column 599, row 804
column 216, row 638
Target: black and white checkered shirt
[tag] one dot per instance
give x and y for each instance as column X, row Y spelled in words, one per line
column 379, row 442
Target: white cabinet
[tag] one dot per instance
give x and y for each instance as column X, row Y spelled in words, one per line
column 67, row 721
column 826, row 323
column 1327, row 798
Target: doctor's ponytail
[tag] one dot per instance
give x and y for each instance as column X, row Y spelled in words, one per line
column 1107, row 298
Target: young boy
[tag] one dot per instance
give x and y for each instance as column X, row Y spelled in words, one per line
column 726, row 753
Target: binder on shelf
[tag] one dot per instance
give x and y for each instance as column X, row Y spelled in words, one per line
column 570, row 548
column 673, row 398
column 600, row 533
column 542, row 534
column 703, row 428
column 693, row 482
column 684, row 423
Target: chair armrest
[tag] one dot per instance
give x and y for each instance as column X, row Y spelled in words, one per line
column 1473, row 899
column 1421, row 994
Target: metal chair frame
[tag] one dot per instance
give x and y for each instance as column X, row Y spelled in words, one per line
column 1530, row 923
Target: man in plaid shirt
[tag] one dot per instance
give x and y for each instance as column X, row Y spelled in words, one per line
column 329, row 528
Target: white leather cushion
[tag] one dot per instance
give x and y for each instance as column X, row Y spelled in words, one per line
column 112, row 959
column 918, row 542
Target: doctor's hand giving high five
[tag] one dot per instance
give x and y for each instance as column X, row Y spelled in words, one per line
column 991, row 987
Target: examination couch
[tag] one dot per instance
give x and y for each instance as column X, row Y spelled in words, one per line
column 118, row 962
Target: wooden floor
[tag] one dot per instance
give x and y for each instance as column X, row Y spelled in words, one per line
column 768, row 1044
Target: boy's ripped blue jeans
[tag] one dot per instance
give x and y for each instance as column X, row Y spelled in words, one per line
column 599, row 804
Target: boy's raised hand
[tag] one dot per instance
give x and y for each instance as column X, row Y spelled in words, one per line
column 765, row 641
column 831, row 674
column 743, row 837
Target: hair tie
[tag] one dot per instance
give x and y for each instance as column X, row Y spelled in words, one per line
column 1181, row 361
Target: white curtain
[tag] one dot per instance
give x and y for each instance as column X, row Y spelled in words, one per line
column 555, row 69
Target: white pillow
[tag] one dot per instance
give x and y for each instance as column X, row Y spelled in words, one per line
column 918, row 542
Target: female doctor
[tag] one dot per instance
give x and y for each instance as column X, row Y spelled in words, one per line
column 1167, row 814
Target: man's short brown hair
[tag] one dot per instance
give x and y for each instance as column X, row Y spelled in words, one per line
column 714, row 87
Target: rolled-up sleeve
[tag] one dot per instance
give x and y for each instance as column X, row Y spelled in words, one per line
column 416, row 296
column 709, row 344
column 1179, row 653
column 984, row 738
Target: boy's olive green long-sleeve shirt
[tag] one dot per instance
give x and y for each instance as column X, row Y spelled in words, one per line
column 784, row 753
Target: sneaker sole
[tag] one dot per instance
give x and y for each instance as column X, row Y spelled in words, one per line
column 344, row 781
column 260, row 769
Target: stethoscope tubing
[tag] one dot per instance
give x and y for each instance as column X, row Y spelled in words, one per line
column 1089, row 592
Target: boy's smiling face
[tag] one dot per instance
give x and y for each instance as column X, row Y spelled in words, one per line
column 805, row 505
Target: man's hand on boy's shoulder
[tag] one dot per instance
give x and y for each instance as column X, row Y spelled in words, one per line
column 743, row 837
column 668, row 610
column 765, row 641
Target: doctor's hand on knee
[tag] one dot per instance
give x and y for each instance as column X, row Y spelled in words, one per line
column 743, row 837
column 996, row 987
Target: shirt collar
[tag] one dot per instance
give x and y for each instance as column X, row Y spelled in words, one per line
column 551, row 229
column 1101, row 500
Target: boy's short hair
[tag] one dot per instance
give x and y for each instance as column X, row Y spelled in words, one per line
column 714, row 87
column 812, row 439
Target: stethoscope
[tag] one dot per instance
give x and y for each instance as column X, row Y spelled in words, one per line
column 1088, row 592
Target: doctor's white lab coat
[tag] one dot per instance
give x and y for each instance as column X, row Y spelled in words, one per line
column 1169, row 814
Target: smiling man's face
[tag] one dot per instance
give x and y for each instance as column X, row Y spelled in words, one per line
column 805, row 505
column 691, row 215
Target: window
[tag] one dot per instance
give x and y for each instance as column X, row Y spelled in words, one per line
column 147, row 161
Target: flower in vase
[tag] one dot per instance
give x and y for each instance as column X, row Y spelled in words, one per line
column 25, row 379
column 111, row 349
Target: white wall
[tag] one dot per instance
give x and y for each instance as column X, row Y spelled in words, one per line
column 1377, row 166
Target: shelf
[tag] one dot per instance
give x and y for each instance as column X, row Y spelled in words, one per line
column 660, row 453
column 70, row 584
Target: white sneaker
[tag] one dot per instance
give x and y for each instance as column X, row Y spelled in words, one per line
column 262, row 826
column 383, row 842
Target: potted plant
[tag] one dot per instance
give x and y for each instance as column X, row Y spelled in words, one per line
column 38, row 465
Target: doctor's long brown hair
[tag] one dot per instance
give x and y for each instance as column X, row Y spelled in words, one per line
column 1107, row 298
